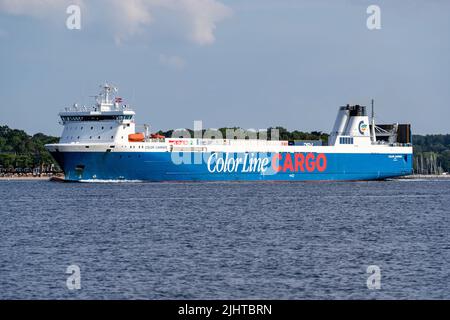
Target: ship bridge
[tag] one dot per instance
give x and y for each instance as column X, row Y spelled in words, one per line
column 107, row 121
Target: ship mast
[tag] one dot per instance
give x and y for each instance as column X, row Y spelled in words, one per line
column 372, row 136
column 105, row 102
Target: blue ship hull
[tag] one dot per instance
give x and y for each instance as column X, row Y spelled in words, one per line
column 159, row 166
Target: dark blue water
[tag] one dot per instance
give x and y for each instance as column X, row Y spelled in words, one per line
column 225, row 240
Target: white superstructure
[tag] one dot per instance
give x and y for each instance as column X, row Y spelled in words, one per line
column 106, row 122
column 110, row 126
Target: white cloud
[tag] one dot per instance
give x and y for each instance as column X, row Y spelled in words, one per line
column 196, row 19
column 201, row 17
column 174, row 62
column 128, row 17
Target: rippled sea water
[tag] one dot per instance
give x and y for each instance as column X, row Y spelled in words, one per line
column 225, row 240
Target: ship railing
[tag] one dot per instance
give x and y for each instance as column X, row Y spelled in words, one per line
column 395, row 144
column 154, row 140
column 242, row 142
column 219, row 142
column 77, row 108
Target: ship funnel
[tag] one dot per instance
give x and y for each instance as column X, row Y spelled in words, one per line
column 340, row 124
column 350, row 121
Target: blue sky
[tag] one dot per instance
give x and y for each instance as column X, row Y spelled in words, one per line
column 247, row 63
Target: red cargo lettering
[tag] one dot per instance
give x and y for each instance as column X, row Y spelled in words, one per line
column 310, row 164
column 276, row 157
column 288, row 163
column 299, row 160
column 321, row 166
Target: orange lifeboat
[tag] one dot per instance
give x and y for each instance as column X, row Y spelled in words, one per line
column 136, row 137
column 157, row 136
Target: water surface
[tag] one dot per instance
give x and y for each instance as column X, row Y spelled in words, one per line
column 225, row 240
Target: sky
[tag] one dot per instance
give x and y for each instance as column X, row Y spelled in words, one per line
column 246, row 63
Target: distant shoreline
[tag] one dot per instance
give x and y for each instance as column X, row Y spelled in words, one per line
column 426, row 176
column 27, row 177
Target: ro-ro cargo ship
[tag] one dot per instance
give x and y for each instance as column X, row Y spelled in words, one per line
column 101, row 143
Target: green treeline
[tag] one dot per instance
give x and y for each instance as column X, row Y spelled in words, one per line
column 431, row 153
column 21, row 152
column 240, row 133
